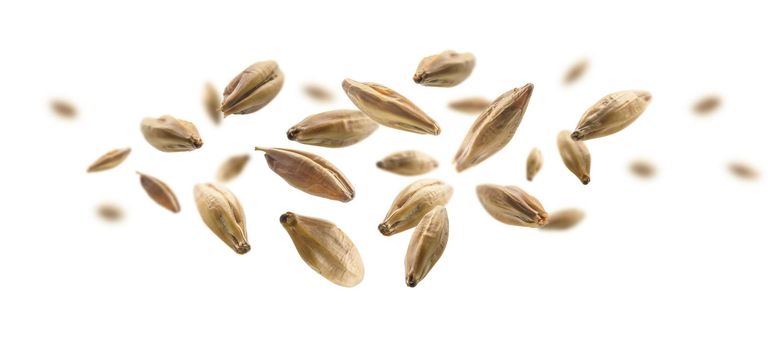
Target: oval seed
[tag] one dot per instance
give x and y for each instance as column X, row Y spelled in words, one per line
column 611, row 114
column 211, row 100
column 169, row 134
column 339, row 128
column 159, row 192
column 63, row 108
column 252, row 89
column 325, row 248
column 232, row 167
column 575, row 71
column 318, row 92
column 110, row 212
column 511, row 205
column 534, row 163
column 470, row 105
column 426, row 246
column 575, row 155
column 408, row 163
column 222, row 213
column 109, row 160
column 642, row 168
column 707, row 104
column 309, row 173
column 494, row 128
column 412, row 203
column 389, row 108
column 563, row 219
column 743, row 170
column 445, row 69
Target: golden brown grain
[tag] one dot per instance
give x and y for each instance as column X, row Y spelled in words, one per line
column 309, row 173
column 494, row 128
column 511, row 205
column 412, row 203
column 159, row 192
column 253, row 88
column 611, row 114
column 426, row 245
column 223, row 214
column 109, row 160
column 325, row 248
column 389, row 108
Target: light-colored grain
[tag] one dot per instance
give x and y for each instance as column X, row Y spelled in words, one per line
column 642, row 168
column 743, row 170
column 470, row 105
column 511, row 205
column 494, row 128
column 412, row 203
column 253, row 88
column 63, row 108
column 575, row 155
column 575, row 71
column 445, row 69
column 318, row 93
column 408, row 163
column 211, row 101
column 563, row 219
column 109, row 160
column 223, row 214
column 389, row 108
column 325, row 248
column 611, row 114
column 110, row 212
column 534, row 163
column 426, row 246
column 169, row 134
column 338, row 128
column 232, row 167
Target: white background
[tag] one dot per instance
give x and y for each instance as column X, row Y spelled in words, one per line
column 689, row 259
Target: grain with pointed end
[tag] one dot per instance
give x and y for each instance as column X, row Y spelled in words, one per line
column 575, row 71
column 707, row 104
column 309, row 173
column 211, row 100
column 534, row 163
column 169, row 134
column 318, row 92
column 63, row 108
column 511, row 205
column 564, row 219
column 412, row 203
column 222, row 213
column 389, row 108
column 575, row 155
column 470, row 105
column 252, row 89
column 611, row 114
column 109, row 160
column 409, row 163
column 338, row 128
column 642, row 168
column 426, row 245
column 445, row 69
column 232, row 167
column 494, row 128
column 743, row 171
column 159, row 192
column 325, row 248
